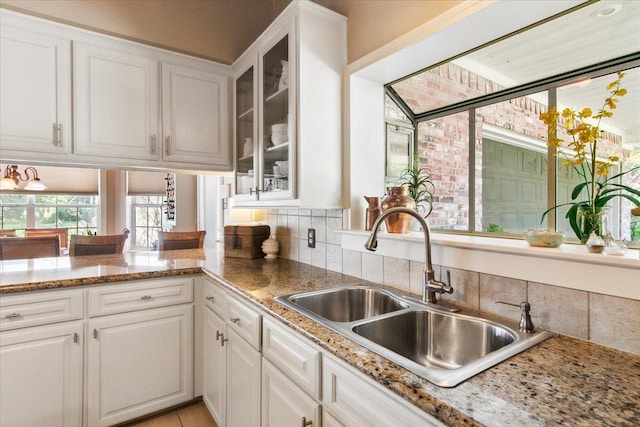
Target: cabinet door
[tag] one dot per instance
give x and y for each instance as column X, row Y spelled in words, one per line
column 194, row 116
column 277, row 130
column 139, row 363
column 215, row 366
column 41, row 376
column 35, row 91
column 116, row 102
column 243, row 382
column 284, row 403
column 246, row 145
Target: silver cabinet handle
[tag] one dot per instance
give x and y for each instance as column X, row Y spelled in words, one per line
column 254, row 190
column 306, row 423
column 12, row 315
column 154, row 145
column 145, row 297
column 235, row 320
column 218, row 335
column 95, row 334
column 211, row 299
column 57, row 134
column 167, row 145
column 75, row 338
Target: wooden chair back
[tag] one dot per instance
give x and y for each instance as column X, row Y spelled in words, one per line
column 96, row 245
column 173, row 240
column 8, row 233
column 42, row 232
column 29, row 247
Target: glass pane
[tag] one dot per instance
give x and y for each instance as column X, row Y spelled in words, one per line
column 14, row 217
column 245, row 138
column 46, row 199
column 443, row 146
column 88, row 217
column 141, row 216
column 46, row 217
column 13, row 198
column 511, row 165
column 275, row 120
column 617, row 137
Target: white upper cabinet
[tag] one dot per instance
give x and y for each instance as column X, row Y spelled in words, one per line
column 115, row 102
column 288, row 111
column 194, row 116
column 133, row 105
column 35, row 89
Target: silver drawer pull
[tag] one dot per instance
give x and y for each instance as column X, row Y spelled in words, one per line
column 12, row 315
column 145, row 297
column 235, row 320
column 306, row 423
column 211, row 298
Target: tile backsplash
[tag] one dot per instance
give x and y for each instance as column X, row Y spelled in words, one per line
column 607, row 320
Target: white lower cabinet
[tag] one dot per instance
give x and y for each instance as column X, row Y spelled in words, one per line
column 138, row 363
column 232, row 360
column 284, row 403
column 243, row 382
column 41, row 376
column 352, row 400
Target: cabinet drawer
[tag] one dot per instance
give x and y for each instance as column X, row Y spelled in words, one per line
column 216, row 299
column 244, row 321
column 140, row 295
column 356, row 401
column 39, row 308
column 295, row 358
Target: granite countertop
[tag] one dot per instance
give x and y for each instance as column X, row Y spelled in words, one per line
column 562, row 381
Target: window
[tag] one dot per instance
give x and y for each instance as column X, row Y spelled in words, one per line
column 478, row 131
column 146, row 219
column 78, row 213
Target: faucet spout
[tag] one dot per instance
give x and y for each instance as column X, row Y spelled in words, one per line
column 430, row 285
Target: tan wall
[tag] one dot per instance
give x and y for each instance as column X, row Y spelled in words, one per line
column 221, row 30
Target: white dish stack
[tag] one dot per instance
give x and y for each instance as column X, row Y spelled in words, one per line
column 279, row 133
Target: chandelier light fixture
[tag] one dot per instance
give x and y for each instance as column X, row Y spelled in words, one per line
column 12, row 178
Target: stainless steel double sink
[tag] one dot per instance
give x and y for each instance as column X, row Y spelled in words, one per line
column 443, row 347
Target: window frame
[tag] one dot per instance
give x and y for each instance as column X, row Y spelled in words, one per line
column 134, row 227
column 550, row 85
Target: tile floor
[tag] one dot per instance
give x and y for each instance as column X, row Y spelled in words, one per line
column 194, row 415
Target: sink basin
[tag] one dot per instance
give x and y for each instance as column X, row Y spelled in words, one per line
column 435, row 339
column 349, row 303
column 443, row 347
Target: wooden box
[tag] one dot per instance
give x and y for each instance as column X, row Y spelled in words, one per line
column 245, row 241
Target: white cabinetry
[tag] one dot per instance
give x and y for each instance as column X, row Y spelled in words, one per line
column 118, row 103
column 352, row 400
column 139, row 361
column 231, row 360
column 290, row 379
column 194, row 116
column 35, row 89
column 41, row 363
column 287, row 111
column 115, row 101
column 133, row 105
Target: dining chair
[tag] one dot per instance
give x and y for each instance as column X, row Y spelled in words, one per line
column 42, row 232
column 29, row 247
column 172, row 240
column 8, row 233
column 96, row 245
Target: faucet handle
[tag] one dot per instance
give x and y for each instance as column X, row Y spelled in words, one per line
column 526, row 324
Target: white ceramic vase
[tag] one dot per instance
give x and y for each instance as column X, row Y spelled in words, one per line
column 271, row 247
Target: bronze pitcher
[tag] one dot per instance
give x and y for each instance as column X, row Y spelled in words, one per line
column 398, row 196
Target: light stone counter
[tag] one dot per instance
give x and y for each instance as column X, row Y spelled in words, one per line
column 562, row 381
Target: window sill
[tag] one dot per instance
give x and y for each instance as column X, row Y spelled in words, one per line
column 569, row 266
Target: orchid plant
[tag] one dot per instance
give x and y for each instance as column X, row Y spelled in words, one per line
column 580, row 152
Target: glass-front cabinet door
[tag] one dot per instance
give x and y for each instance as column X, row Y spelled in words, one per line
column 277, row 122
column 245, row 135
